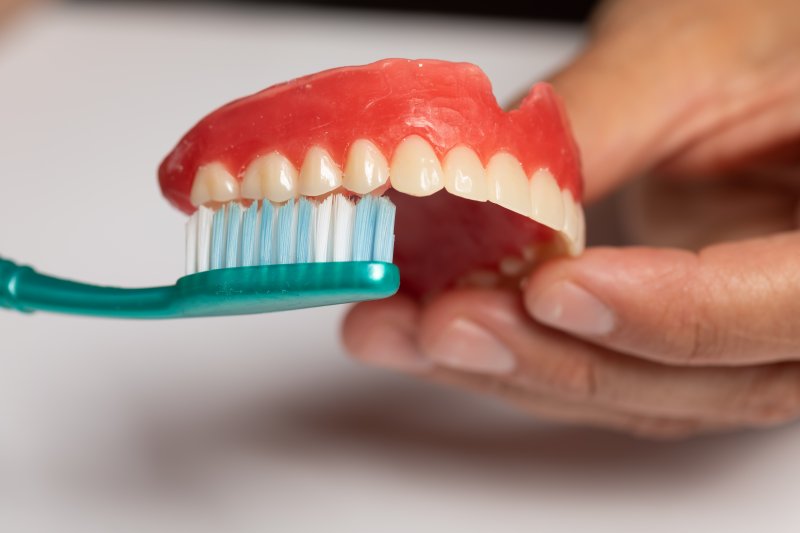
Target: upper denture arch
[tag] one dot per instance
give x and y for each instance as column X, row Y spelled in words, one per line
column 376, row 109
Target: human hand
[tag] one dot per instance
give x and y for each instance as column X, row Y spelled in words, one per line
column 704, row 98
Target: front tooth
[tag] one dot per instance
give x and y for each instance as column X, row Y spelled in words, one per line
column 570, row 216
column 366, row 168
column 319, row 174
column 580, row 241
column 214, row 183
column 548, row 206
column 270, row 176
column 508, row 184
column 415, row 168
column 464, row 174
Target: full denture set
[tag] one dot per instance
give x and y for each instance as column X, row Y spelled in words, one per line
column 346, row 186
column 406, row 129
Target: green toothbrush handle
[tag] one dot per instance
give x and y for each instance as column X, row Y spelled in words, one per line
column 25, row 290
column 229, row 291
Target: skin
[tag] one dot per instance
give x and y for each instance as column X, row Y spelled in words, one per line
column 698, row 332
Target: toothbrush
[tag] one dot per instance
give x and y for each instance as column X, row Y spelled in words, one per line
column 291, row 194
column 232, row 277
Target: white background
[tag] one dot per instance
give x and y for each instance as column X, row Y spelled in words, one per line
column 253, row 424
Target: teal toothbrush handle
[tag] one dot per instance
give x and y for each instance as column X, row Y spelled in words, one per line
column 229, row 291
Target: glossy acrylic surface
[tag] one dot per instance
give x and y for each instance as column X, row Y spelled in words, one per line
column 229, row 291
column 445, row 103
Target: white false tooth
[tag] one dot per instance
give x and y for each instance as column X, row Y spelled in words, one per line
column 512, row 266
column 366, row 168
column 548, row 205
column 480, row 279
column 270, row 176
column 251, row 185
column 214, row 183
column 319, row 174
column 570, row 216
column 508, row 184
column 415, row 168
column 200, row 194
column 530, row 252
column 580, row 241
column 464, row 174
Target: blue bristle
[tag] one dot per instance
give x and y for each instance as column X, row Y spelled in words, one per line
column 285, row 236
column 364, row 229
column 249, row 228
column 265, row 247
column 305, row 211
column 234, row 234
column 266, row 234
column 217, row 256
column 384, row 231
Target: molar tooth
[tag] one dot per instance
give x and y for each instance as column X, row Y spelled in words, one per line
column 530, row 252
column 484, row 279
column 512, row 266
column 570, row 217
column 213, row 182
column 415, row 168
column 366, row 168
column 508, row 184
column 548, row 205
column 270, row 176
column 464, row 174
column 319, row 174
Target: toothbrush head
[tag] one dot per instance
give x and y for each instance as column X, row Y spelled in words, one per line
column 265, row 289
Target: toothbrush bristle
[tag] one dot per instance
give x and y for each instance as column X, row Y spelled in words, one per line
column 307, row 231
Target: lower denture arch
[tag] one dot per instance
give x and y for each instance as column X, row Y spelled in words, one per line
column 448, row 105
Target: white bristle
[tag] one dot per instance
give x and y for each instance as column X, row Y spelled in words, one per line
column 191, row 244
column 293, row 235
column 323, row 250
column 204, row 219
column 264, row 233
column 343, row 213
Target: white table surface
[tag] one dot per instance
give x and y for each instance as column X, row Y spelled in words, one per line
column 252, row 424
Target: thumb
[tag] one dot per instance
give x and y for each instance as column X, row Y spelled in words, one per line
column 731, row 304
column 630, row 106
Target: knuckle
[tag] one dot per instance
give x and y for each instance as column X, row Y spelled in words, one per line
column 505, row 388
column 773, row 396
column 703, row 336
column 664, row 430
column 573, row 379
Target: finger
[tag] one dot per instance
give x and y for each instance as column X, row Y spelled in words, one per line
column 625, row 114
column 379, row 333
column 383, row 332
column 548, row 407
column 731, row 304
column 637, row 100
column 489, row 333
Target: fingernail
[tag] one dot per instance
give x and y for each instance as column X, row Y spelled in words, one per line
column 393, row 349
column 465, row 345
column 571, row 308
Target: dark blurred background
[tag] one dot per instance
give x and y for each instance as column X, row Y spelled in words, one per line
column 569, row 10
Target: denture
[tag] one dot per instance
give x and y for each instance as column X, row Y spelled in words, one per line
column 481, row 194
